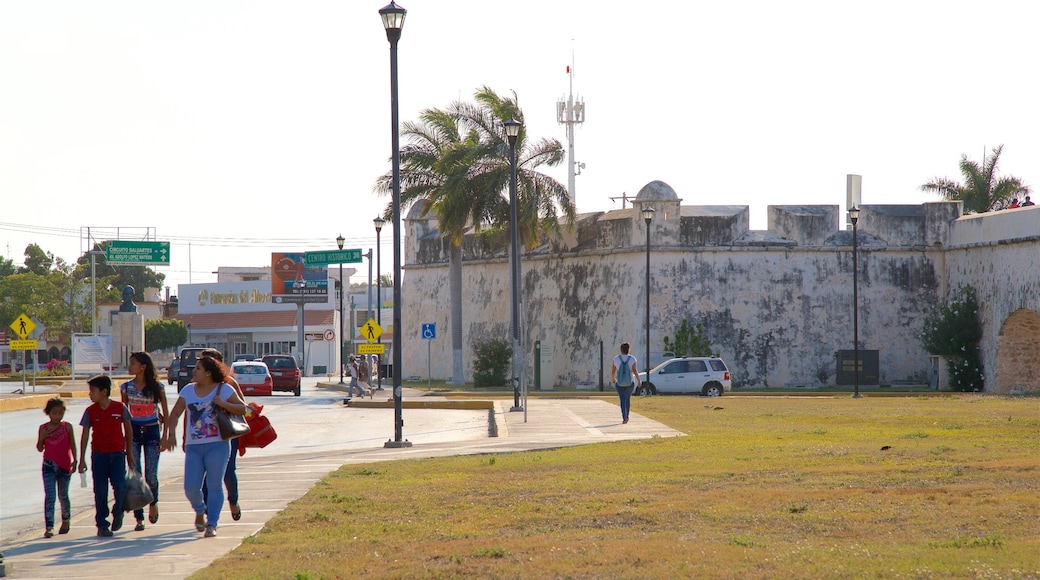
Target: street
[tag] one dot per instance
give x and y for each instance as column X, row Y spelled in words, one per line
column 314, row 422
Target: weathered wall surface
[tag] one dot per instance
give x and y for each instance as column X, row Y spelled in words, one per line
column 776, row 305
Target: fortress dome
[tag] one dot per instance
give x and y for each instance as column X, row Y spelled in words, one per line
column 657, row 191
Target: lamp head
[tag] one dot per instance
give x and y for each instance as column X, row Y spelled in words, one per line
column 339, row 241
column 648, row 214
column 854, row 214
column 378, row 222
column 393, row 20
column 512, row 131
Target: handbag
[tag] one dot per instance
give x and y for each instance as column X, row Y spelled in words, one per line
column 138, row 494
column 230, row 426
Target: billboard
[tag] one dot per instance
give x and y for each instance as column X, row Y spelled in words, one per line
column 293, row 281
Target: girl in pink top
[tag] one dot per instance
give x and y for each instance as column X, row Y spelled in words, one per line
column 58, row 444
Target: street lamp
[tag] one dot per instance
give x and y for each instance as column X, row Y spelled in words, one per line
column 189, row 334
column 854, row 218
column 378, row 222
column 339, row 242
column 393, row 21
column 512, row 131
column 648, row 216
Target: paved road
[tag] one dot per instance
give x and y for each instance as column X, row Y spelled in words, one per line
column 313, row 423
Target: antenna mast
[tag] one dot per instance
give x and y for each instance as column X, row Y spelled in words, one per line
column 570, row 112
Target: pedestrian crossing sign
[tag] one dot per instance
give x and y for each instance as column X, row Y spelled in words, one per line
column 371, row 331
column 23, row 326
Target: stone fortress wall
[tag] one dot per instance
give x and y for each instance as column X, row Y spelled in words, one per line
column 776, row 304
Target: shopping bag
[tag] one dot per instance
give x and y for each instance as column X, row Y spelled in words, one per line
column 261, row 433
column 230, row 426
column 138, row 494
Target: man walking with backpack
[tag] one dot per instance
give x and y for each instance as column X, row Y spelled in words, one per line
column 625, row 377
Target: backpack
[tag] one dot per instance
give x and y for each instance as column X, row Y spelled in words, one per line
column 624, row 372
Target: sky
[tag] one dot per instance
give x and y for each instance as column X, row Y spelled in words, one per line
column 235, row 129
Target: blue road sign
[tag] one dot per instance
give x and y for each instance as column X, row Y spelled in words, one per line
column 429, row 331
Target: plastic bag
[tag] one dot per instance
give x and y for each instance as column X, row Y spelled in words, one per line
column 138, row 494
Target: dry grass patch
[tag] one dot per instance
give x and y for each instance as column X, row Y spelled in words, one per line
column 762, row 488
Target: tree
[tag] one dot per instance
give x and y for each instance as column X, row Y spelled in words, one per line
column 981, row 190
column 162, row 334
column 7, row 267
column 457, row 166
column 37, row 261
column 140, row 277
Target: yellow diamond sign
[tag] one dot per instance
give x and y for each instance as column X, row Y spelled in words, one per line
column 23, row 326
column 371, row 330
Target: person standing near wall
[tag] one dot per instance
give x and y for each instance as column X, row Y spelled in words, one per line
column 625, row 377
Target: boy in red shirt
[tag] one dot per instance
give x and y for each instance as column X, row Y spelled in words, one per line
column 110, row 448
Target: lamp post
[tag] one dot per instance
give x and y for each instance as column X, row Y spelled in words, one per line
column 512, row 131
column 393, row 21
column 339, row 243
column 854, row 218
column 378, row 222
column 189, row 334
column 648, row 216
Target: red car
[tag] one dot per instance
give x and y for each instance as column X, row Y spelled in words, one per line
column 254, row 378
column 285, row 372
column 8, row 368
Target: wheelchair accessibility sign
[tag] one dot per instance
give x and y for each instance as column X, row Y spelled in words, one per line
column 429, row 331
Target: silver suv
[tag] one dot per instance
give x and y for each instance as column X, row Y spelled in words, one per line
column 707, row 376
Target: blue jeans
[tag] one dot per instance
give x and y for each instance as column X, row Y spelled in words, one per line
column 55, row 484
column 147, row 437
column 108, row 468
column 625, row 394
column 206, row 461
column 230, row 477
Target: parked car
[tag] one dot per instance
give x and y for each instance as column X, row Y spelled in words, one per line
column 254, row 377
column 707, row 376
column 246, row 356
column 171, row 371
column 188, row 358
column 285, row 372
column 34, row 368
column 8, row 368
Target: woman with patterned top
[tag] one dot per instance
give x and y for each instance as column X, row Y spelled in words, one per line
column 145, row 397
column 205, row 454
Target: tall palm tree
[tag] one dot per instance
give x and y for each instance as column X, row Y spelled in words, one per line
column 456, row 165
column 981, row 190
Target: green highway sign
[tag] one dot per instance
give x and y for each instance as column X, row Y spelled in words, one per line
column 332, row 257
column 139, row 253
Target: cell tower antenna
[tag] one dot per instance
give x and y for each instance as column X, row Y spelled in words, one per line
column 571, row 112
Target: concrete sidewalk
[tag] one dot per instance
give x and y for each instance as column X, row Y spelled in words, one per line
column 173, row 549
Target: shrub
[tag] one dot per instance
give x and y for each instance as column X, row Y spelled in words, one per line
column 689, row 341
column 953, row 331
column 491, row 363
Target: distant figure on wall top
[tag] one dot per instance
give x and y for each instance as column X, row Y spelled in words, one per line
column 128, row 300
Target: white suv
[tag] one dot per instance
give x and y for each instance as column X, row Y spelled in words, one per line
column 707, row 376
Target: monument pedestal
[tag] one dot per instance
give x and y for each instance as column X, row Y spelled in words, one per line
column 127, row 336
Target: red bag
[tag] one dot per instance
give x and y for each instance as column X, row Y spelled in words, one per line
column 261, row 433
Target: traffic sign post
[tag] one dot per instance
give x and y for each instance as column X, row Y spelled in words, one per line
column 371, row 331
column 379, row 349
column 429, row 332
column 332, row 257
column 23, row 326
column 129, row 252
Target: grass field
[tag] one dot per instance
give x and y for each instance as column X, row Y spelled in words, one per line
column 761, row 488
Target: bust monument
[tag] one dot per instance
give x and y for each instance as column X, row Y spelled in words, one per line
column 128, row 300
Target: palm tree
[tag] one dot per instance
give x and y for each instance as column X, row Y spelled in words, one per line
column 457, row 166
column 981, row 191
